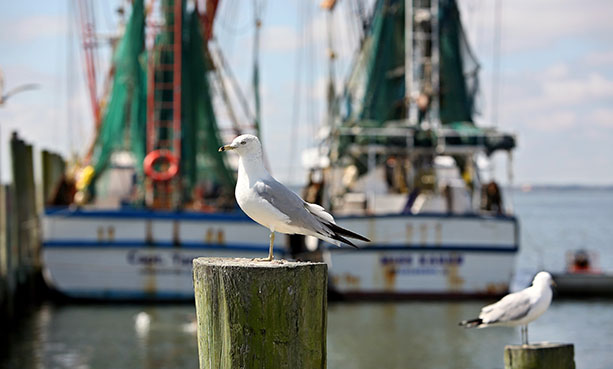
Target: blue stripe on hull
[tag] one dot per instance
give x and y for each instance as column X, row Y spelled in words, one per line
column 263, row 248
column 119, row 295
column 239, row 216
column 236, row 216
column 462, row 248
column 157, row 245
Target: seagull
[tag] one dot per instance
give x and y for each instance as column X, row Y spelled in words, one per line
column 274, row 206
column 519, row 308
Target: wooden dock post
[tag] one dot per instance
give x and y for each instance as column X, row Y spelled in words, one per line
column 540, row 355
column 260, row 314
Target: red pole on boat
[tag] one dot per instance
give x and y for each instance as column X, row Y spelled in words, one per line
column 88, row 34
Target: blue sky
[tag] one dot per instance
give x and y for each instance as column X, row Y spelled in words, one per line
column 556, row 89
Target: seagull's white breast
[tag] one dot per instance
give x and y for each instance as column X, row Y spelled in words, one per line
column 542, row 300
column 258, row 208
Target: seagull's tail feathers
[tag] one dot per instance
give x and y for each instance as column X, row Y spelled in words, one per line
column 319, row 212
column 471, row 323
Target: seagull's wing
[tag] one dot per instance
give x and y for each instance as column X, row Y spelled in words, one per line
column 311, row 219
column 288, row 203
column 511, row 307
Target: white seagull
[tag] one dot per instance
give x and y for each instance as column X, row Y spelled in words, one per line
column 519, row 308
column 273, row 205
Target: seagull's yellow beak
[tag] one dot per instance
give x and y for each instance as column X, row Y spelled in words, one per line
column 226, row 148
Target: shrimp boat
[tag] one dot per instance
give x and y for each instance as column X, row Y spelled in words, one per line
column 401, row 161
column 153, row 192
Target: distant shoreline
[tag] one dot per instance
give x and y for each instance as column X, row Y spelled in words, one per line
column 561, row 187
column 526, row 187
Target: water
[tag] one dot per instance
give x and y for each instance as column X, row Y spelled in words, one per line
column 360, row 335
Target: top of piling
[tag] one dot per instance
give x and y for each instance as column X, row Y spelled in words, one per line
column 251, row 263
column 539, row 346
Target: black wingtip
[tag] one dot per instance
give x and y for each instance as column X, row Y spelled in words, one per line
column 345, row 232
column 471, row 323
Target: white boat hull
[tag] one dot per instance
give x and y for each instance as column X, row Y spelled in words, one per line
column 148, row 255
column 425, row 255
column 140, row 255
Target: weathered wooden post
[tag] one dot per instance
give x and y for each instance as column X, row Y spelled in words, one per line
column 53, row 167
column 260, row 314
column 540, row 355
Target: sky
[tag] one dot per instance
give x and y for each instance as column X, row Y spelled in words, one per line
column 555, row 87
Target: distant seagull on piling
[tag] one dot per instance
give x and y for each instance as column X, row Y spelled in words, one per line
column 274, row 206
column 519, row 308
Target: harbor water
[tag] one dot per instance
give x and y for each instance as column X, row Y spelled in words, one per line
column 413, row 334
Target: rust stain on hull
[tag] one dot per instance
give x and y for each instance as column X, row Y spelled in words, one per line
column 452, row 273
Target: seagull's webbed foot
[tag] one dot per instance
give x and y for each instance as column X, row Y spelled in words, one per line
column 269, row 258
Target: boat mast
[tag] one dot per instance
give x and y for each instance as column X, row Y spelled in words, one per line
column 421, row 61
column 434, row 62
column 409, row 82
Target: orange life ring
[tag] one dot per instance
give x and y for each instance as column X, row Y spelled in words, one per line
column 156, row 155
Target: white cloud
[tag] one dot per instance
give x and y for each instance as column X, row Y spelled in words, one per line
column 597, row 59
column 528, row 25
column 34, row 27
column 554, row 90
column 602, row 117
column 555, row 71
column 577, row 90
column 556, row 121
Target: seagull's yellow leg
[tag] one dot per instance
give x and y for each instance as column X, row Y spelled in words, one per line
column 272, row 242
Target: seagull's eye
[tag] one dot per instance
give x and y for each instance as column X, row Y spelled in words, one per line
column 243, row 142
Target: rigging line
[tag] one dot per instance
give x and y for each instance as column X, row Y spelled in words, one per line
column 354, row 38
column 239, row 94
column 296, row 103
column 332, row 57
column 230, row 18
column 256, row 66
column 59, row 81
column 311, row 71
column 69, row 74
column 94, row 37
column 350, row 30
column 496, row 60
column 223, row 92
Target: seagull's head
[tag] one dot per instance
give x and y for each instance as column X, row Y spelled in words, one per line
column 245, row 145
column 543, row 279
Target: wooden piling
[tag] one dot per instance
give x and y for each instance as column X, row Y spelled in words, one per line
column 540, row 355
column 53, row 169
column 20, row 277
column 260, row 314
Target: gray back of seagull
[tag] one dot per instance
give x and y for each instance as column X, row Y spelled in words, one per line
column 510, row 308
column 289, row 204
